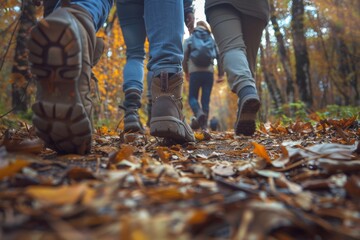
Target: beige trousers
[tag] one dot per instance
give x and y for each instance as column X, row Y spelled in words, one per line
column 238, row 38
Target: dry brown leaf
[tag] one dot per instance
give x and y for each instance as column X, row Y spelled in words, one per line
column 171, row 193
column 33, row 146
column 164, row 154
column 124, row 153
column 352, row 187
column 79, row 174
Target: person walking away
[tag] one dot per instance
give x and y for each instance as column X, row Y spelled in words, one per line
column 200, row 51
column 214, row 124
column 133, row 26
column 237, row 26
column 62, row 50
column 164, row 27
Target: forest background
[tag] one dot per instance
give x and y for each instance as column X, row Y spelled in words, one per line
column 308, row 62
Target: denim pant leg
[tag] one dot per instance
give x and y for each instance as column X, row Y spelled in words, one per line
column 132, row 24
column 207, row 81
column 98, row 9
column 194, row 88
column 164, row 20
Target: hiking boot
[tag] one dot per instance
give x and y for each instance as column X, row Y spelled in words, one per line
column 167, row 119
column 200, row 117
column 194, row 124
column 62, row 49
column 248, row 106
column 132, row 104
column 204, row 124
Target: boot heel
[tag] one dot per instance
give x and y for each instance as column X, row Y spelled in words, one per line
column 167, row 127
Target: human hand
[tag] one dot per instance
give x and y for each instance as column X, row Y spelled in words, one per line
column 190, row 21
column 187, row 76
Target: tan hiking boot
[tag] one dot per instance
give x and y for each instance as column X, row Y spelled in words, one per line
column 62, row 49
column 167, row 119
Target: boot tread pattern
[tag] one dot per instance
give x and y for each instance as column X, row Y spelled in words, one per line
column 246, row 121
column 59, row 117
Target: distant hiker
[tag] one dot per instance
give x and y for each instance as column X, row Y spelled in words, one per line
column 237, row 26
column 162, row 22
column 214, row 124
column 200, row 50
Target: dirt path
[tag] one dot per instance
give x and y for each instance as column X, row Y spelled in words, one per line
column 300, row 181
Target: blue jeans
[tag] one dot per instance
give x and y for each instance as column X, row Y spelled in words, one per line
column 98, row 9
column 203, row 81
column 162, row 21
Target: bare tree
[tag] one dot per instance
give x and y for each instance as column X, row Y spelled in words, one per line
column 20, row 69
column 301, row 55
column 283, row 54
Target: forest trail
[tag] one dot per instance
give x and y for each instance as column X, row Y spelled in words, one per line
column 300, row 181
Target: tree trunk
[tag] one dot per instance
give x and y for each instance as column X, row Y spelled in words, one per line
column 269, row 78
column 301, row 55
column 20, row 69
column 283, row 55
column 346, row 59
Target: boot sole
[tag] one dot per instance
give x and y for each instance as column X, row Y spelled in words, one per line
column 171, row 128
column 59, row 117
column 246, row 121
column 133, row 128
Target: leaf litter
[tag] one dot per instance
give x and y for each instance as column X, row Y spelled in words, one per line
column 300, row 181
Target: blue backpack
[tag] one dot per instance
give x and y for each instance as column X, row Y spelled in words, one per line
column 202, row 48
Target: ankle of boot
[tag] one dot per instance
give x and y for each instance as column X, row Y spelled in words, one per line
column 245, row 91
column 132, row 99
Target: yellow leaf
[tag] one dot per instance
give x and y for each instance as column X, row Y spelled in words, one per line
column 261, row 151
column 138, row 234
column 199, row 136
column 13, row 168
column 58, row 195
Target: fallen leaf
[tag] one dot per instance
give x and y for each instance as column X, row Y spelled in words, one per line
column 79, row 174
column 199, row 136
column 57, row 195
column 261, row 151
column 223, row 170
column 124, row 153
column 33, row 146
column 13, row 168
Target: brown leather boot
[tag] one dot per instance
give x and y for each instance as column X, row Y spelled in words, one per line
column 167, row 119
column 62, row 47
